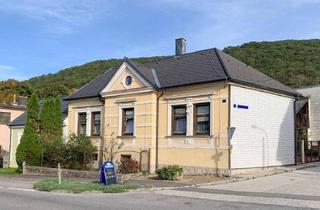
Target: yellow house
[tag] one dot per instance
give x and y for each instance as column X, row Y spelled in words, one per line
column 204, row 110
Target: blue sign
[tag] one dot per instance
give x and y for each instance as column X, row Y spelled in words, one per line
column 108, row 173
column 240, row 106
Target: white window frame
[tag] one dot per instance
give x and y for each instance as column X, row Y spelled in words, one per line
column 88, row 111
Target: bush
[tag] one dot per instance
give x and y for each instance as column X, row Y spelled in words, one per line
column 129, row 166
column 78, row 152
column 170, row 172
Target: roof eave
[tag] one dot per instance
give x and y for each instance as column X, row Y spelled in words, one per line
column 296, row 95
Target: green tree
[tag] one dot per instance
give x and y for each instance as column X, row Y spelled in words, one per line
column 47, row 122
column 51, row 131
column 29, row 150
column 78, row 152
column 52, row 89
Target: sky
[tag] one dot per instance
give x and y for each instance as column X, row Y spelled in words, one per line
column 44, row 36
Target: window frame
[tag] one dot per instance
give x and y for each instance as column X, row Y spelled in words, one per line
column 124, row 121
column 9, row 119
column 195, row 116
column 173, row 120
column 93, row 123
column 79, row 123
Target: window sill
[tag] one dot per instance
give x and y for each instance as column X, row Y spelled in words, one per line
column 126, row 137
column 194, row 136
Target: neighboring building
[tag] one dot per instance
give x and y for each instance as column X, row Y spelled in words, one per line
column 205, row 111
column 311, row 106
column 7, row 114
column 17, row 128
column 308, row 124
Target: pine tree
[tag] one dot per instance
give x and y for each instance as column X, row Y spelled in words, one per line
column 51, row 131
column 46, row 122
column 58, row 118
column 29, row 149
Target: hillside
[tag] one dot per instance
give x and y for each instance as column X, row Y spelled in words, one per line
column 293, row 62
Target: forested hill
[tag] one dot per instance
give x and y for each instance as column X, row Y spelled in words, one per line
column 293, row 62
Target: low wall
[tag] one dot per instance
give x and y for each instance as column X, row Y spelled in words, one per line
column 53, row 172
column 67, row 173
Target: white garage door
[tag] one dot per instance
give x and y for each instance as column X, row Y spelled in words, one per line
column 264, row 134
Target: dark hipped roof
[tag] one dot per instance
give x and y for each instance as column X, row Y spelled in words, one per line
column 21, row 120
column 94, row 87
column 209, row 65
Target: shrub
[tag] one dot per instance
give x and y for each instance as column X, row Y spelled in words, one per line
column 170, row 172
column 78, row 152
column 128, row 166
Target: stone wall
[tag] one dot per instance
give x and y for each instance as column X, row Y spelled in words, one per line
column 53, row 172
column 66, row 173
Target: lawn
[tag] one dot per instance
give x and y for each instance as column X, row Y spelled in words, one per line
column 9, row 171
column 49, row 185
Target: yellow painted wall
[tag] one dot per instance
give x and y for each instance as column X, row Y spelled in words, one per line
column 191, row 151
column 16, row 134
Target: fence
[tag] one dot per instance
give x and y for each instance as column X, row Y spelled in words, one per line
column 308, row 151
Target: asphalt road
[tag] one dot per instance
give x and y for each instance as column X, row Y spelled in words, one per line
column 295, row 190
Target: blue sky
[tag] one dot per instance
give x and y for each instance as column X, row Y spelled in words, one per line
column 43, row 36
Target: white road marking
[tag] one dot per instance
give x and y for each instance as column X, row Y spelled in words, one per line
column 21, row 189
column 244, row 199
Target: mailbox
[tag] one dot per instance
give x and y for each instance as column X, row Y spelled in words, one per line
column 108, row 173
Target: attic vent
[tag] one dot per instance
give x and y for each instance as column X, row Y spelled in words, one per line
column 180, row 46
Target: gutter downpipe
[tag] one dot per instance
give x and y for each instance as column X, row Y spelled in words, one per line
column 157, row 81
column 157, row 130
column 295, row 129
column 10, row 145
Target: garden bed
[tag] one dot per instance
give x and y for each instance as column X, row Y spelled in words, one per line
column 49, row 185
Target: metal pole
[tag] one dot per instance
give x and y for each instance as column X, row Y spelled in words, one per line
column 302, row 152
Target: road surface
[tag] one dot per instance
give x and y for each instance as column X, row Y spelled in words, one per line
column 294, row 190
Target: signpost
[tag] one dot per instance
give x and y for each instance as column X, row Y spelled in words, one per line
column 108, row 173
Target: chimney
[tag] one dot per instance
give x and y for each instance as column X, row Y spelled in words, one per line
column 180, row 46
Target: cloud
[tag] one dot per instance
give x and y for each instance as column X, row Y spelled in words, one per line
column 58, row 15
column 6, row 68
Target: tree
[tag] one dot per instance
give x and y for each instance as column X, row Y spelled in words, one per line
column 29, row 150
column 78, row 152
column 51, row 131
column 52, row 89
column 112, row 148
column 47, row 121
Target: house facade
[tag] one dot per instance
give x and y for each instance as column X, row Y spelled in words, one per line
column 7, row 114
column 205, row 111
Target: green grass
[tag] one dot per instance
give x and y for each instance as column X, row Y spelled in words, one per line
column 9, row 171
column 49, row 185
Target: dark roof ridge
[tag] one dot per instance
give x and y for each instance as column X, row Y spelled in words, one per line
column 250, row 67
column 174, row 56
column 135, row 67
column 222, row 63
